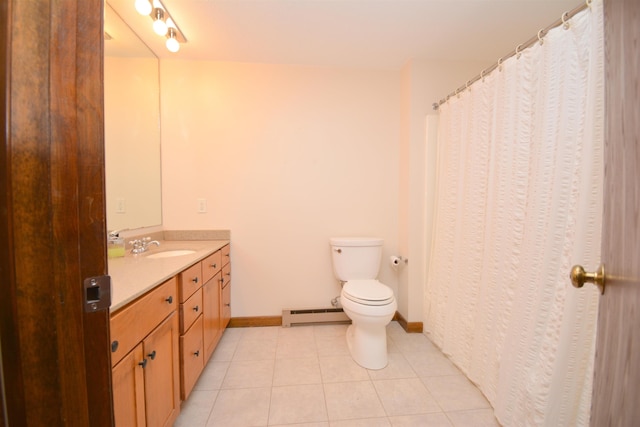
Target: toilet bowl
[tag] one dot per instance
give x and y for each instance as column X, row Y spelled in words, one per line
column 367, row 302
column 370, row 305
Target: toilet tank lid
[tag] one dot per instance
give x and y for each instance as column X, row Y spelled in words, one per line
column 356, row 241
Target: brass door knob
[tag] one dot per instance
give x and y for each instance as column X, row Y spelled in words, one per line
column 579, row 277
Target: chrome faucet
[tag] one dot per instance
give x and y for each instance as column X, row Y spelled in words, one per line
column 139, row 246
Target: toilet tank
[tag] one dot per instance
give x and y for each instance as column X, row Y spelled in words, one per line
column 356, row 257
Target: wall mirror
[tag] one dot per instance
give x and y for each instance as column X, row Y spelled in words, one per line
column 132, row 128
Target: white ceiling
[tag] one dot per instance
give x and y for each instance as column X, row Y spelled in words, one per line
column 351, row 33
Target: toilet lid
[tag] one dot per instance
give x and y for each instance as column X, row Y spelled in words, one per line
column 368, row 292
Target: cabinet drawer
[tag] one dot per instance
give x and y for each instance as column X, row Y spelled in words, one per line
column 226, row 254
column 189, row 281
column 190, row 310
column 211, row 265
column 191, row 357
column 131, row 324
column 226, row 275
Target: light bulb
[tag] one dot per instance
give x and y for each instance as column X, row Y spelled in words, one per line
column 159, row 26
column 144, row 7
column 172, row 43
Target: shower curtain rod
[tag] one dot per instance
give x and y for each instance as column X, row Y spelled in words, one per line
column 564, row 21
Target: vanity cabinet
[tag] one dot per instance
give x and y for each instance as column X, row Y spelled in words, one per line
column 161, row 341
column 145, row 359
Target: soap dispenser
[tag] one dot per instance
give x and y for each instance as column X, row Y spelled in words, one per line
column 115, row 244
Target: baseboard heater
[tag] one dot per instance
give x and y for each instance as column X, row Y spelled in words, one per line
column 313, row 316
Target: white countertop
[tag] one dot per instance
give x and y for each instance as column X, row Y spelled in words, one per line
column 134, row 275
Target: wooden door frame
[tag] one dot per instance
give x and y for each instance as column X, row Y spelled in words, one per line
column 54, row 356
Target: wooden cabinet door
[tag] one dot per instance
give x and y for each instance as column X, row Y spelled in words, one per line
column 225, row 306
column 162, row 375
column 128, row 390
column 211, row 311
column 225, row 298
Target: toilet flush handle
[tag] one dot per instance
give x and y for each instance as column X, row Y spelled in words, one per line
column 339, row 250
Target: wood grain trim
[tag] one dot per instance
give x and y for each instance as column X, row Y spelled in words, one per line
column 409, row 327
column 248, row 322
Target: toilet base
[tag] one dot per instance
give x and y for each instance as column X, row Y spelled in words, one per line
column 368, row 346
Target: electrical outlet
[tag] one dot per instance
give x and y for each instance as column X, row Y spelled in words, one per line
column 202, row 205
column 121, row 206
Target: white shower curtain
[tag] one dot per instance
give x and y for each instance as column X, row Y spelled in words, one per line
column 518, row 202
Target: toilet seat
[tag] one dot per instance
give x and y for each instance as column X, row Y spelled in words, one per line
column 367, row 292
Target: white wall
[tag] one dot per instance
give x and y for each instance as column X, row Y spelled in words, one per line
column 423, row 83
column 286, row 157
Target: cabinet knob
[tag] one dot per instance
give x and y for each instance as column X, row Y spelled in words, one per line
column 169, row 300
column 228, row 304
column 152, row 355
column 196, row 353
column 114, row 346
column 143, row 363
column 214, row 265
column 195, row 279
column 196, row 308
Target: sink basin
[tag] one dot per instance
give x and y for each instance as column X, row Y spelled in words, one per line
column 171, row 253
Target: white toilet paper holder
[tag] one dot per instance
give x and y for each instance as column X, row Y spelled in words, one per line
column 396, row 260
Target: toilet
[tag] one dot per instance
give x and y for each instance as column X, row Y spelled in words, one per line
column 368, row 303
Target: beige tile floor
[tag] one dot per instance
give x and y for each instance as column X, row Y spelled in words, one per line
column 304, row 376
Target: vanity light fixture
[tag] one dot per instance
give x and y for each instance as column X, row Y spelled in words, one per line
column 163, row 24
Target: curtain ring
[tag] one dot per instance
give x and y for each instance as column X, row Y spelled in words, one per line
column 467, row 85
column 458, row 93
column 500, row 64
column 565, row 20
column 588, row 2
column 541, row 34
column 482, row 75
column 518, row 51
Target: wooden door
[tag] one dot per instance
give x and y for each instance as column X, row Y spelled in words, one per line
column 617, row 364
column 55, row 357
